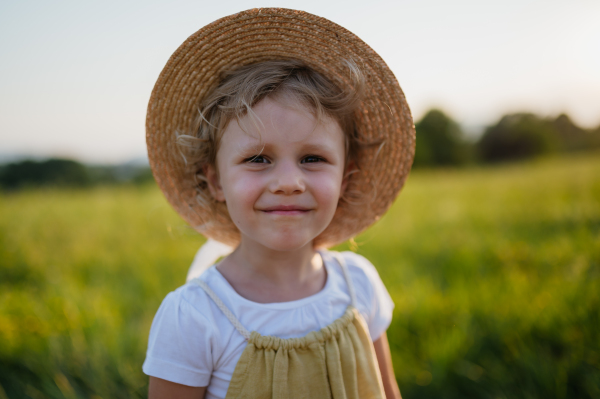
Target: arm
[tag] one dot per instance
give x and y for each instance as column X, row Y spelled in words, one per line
column 163, row 389
column 384, row 358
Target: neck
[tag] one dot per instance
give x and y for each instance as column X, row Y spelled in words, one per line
column 265, row 275
column 278, row 267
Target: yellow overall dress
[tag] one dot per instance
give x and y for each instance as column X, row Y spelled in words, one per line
column 335, row 362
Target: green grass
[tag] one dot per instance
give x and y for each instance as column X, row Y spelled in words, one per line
column 495, row 273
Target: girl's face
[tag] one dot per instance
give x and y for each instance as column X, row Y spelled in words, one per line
column 281, row 181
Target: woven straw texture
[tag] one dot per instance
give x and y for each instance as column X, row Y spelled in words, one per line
column 195, row 69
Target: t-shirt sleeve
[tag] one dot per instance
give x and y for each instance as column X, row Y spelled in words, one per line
column 377, row 304
column 180, row 342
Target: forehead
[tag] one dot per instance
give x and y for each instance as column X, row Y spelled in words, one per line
column 280, row 121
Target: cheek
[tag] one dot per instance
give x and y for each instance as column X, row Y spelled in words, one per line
column 241, row 190
column 328, row 189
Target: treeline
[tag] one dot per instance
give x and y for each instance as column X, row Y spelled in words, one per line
column 69, row 173
column 441, row 141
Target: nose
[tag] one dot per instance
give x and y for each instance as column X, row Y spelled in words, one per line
column 287, row 179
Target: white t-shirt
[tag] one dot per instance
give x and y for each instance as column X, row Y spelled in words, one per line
column 193, row 343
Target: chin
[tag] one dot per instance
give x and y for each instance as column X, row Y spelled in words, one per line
column 284, row 242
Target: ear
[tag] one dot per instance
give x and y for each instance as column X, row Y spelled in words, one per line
column 350, row 169
column 214, row 185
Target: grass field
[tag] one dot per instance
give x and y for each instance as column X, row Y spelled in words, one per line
column 495, row 273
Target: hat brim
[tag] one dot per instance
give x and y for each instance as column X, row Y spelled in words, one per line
column 252, row 36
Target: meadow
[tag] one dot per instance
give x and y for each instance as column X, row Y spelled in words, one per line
column 495, row 273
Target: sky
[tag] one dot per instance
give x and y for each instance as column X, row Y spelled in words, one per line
column 75, row 77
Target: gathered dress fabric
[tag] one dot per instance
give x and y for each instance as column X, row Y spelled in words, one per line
column 337, row 362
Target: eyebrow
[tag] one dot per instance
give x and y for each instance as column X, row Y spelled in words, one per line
column 310, row 147
column 261, row 146
column 247, row 150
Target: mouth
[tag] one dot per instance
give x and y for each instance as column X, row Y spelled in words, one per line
column 288, row 210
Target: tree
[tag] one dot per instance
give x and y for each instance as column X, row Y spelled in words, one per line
column 518, row 136
column 439, row 141
column 574, row 138
column 53, row 172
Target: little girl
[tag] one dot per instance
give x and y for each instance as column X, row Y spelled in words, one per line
column 279, row 133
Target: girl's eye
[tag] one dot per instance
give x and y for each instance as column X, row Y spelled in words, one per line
column 256, row 159
column 312, row 159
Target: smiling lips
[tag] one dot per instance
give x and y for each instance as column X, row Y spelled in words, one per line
column 288, row 210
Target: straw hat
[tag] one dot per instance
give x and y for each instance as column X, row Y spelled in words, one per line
column 194, row 70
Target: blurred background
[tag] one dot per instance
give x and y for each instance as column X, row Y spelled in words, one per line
column 491, row 253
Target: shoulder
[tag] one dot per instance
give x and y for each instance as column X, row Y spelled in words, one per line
column 184, row 313
column 358, row 264
column 373, row 299
column 189, row 311
column 189, row 299
column 361, row 270
column 194, row 307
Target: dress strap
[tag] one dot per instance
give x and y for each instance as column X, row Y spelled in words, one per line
column 230, row 316
column 340, row 259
